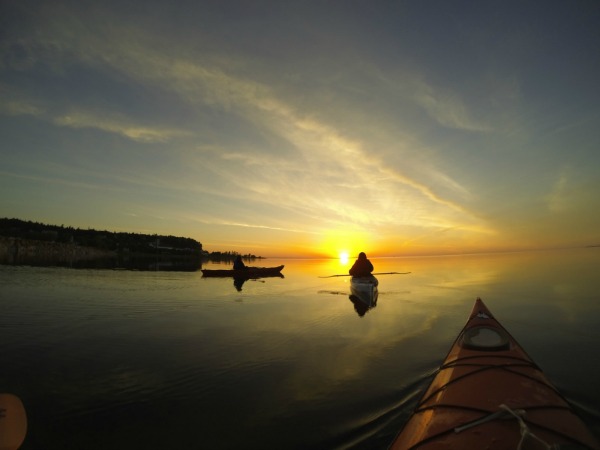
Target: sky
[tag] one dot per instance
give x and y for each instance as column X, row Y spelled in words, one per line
column 306, row 128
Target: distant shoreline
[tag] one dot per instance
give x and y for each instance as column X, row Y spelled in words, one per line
column 14, row 250
column 28, row 252
column 26, row 242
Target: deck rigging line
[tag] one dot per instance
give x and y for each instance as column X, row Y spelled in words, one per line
column 504, row 411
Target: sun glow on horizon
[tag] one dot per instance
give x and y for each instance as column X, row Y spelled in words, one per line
column 341, row 244
column 344, row 257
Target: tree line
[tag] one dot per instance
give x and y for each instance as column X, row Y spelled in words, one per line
column 104, row 240
column 119, row 242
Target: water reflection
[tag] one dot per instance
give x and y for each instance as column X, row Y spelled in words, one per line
column 239, row 282
column 360, row 306
column 126, row 340
column 137, row 263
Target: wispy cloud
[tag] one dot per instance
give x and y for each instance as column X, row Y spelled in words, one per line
column 273, row 178
column 16, row 108
column 119, row 125
column 447, row 108
column 283, row 137
column 255, row 226
column 16, row 103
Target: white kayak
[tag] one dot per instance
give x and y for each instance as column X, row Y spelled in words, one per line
column 365, row 289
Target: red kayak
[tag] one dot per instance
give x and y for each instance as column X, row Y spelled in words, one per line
column 489, row 394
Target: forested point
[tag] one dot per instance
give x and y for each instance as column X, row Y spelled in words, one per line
column 109, row 241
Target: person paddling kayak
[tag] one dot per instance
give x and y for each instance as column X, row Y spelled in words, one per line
column 238, row 264
column 362, row 267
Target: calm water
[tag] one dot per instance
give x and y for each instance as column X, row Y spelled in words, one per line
column 152, row 360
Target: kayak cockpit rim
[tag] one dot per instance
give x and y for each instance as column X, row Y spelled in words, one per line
column 485, row 338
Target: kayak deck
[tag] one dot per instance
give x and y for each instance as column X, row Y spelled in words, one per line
column 489, row 394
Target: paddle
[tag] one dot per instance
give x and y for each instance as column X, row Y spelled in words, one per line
column 379, row 273
column 13, row 422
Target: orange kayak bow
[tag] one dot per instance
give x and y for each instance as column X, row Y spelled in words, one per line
column 489, row 394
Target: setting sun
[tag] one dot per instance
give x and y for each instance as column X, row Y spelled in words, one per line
column 344, row 257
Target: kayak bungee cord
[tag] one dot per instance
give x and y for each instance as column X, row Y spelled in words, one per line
column 505, row 412
column 497, row 415
column 502, row 414
column 482, row 367
column 513, row 367
column 525, row 430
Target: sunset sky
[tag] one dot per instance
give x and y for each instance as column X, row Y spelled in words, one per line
column 306, row 128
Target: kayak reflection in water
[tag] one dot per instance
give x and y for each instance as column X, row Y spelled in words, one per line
column 238, row 282
column 360, row 306
column 362, row 267
column 239, row 279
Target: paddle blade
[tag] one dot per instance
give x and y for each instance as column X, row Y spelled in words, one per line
column 13, row 422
